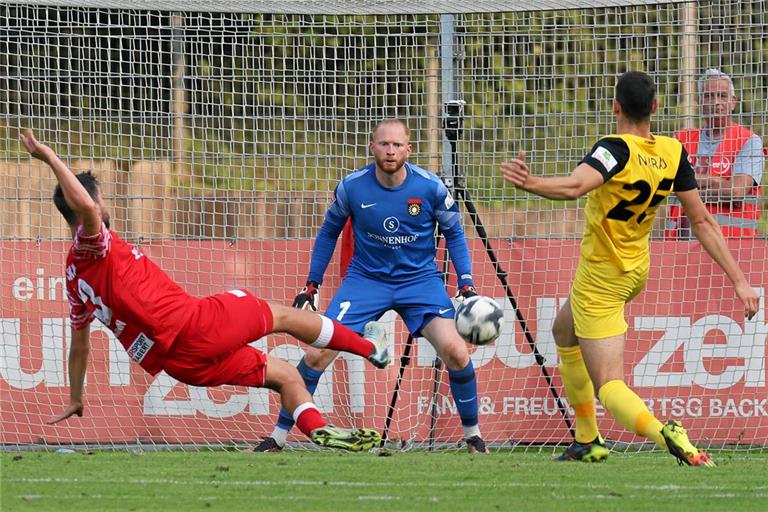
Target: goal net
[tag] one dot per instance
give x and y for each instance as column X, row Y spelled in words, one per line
column 218, row 134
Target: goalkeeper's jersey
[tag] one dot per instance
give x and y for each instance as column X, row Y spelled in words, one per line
column 394, row 228
column 639, row 174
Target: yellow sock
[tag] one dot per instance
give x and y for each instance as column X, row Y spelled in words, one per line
column 580, row 391
column 631, row 411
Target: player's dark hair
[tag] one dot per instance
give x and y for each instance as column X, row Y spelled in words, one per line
column 91, row 185
column 635, row 92
column 391, row 121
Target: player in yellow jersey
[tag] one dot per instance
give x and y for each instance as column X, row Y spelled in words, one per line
column 626, row 176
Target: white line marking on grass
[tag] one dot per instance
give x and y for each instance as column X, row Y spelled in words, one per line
column 568, row 497
column 133, row 497
column 347, row 483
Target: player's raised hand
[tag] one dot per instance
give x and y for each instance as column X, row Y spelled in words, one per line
column 307, row 297
column 72, row 408
column 516, row 170
column 35, row 148
column 749, row 298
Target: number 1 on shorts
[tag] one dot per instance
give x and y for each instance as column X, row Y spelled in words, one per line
column 344, row 306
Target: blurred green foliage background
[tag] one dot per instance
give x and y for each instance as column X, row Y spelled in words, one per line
column 285, row 102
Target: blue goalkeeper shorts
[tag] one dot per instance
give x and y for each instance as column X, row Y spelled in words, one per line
column 361, row 299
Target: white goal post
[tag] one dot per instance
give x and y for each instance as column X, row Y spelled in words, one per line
column 219, row 129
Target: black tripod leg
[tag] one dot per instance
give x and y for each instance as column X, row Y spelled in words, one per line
column 502, row 275
column 405, row 360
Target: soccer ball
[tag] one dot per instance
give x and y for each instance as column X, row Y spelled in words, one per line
column 478, row 320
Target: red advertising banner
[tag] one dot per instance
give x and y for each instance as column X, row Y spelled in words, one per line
column 690, row 353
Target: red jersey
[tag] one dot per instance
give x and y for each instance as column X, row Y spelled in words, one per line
column 116, row 283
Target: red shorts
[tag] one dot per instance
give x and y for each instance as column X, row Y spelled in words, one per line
column 212, row 349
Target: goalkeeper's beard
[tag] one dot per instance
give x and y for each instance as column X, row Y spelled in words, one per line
column 390, row 166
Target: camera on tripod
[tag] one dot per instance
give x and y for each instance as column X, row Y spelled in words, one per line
column 453, row 119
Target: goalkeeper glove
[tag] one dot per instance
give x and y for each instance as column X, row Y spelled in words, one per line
column 307, row 297
column 465, row 292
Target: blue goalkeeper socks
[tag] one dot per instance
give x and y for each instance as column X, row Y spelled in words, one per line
column 311, row 378
column 464, row 390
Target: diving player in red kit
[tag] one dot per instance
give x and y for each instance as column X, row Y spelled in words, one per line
column 201, row 342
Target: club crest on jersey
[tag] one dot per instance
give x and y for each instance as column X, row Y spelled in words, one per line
column 414, row 207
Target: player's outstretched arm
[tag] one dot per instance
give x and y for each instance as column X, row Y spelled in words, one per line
column 325, row 244
column 76, row 196
column 707, row 231
column 583, row 179
column 78, row 362
column 449, row 222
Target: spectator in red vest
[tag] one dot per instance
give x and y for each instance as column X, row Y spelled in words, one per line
column 729, row 160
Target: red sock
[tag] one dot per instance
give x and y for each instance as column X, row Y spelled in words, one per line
column 308, row 418
column 335, row 336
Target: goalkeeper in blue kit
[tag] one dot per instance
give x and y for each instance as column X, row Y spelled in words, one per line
column 394, row 208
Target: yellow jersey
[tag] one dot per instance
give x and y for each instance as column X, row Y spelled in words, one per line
column 638, row 175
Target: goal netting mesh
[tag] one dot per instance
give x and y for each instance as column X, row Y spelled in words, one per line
column 219, row 130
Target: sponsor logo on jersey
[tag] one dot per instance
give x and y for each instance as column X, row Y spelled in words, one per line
column 71, row 272
column 393, row 241
column 720, row 166
column 605, row 157
column 391, row 224
column 140, row 348
column 414, row 207
column 366, row 205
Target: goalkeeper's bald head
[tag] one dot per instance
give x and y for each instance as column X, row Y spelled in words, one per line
column 393, row 121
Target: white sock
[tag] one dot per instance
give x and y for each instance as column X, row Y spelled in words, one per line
column 326, row 333
column 280, row 436
column 472, row 431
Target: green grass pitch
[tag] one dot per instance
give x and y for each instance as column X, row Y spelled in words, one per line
column 335, row 481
